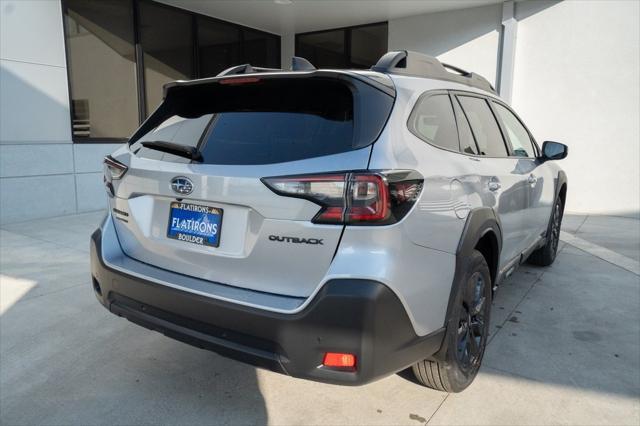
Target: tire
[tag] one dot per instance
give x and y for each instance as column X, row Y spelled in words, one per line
column 462, row 358
column 545, row 255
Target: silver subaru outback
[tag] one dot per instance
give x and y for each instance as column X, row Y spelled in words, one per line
column 333, row 225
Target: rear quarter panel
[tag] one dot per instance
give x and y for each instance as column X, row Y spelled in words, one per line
column 416, row 257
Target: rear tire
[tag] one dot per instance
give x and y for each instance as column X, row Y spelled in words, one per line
column 467, row 332
column 546, row 254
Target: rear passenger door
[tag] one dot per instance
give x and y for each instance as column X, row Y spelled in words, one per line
column 503, row 182
column 540, row 178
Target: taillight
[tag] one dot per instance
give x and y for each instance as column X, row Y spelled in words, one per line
column 113, row 169
column 355, row 198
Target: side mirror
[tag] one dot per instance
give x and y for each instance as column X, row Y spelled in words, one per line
column 554, row 151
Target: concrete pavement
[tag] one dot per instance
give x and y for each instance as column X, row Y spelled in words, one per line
column 565, row 349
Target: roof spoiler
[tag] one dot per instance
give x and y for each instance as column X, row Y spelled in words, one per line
column 418, row 64
column 297, row 64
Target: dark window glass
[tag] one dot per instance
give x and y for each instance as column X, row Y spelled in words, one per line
column 218, row 46
column 357, row 47
column 518, row 135
column 269, row 121
column 324, row 50
column 467, row 142
column 166, row 36
column 484, row 126
column 432, row 120
column 297, row 119
column 100, row 48
column 102, row 61
column 261, row 49
column 368, row 44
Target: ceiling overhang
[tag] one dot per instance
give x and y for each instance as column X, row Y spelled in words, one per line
column 296, row 16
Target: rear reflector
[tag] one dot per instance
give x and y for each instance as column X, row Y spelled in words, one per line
column 354, row 198
column 339, row 360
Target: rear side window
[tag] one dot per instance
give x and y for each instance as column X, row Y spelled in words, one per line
column 484, row 126
column 266, row 121
column 518, row 135
column 432, row 120
column 467, row 142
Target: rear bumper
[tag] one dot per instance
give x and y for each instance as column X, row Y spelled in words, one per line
column 361, row 317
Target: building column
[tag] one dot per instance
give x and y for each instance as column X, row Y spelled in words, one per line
column 507, row 50
column 287, row 49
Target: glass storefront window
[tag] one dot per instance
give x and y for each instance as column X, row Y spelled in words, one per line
column 121, row 52
column 101, row 59
column 218, row 46
column 324, row 49
column 354, row 47
column 166, row 37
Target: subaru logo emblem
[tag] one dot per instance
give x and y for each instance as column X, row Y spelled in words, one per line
column 181, row 185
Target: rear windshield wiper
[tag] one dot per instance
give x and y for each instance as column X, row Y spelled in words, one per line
column 185, row 151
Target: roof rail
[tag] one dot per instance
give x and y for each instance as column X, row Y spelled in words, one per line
column 421, row 65
column 245, row 69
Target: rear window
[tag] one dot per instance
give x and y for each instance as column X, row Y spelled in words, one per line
column 267, row 121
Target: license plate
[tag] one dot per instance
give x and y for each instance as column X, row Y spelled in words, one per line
column 195, row 224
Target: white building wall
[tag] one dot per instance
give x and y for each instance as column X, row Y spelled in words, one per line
column 468, row 38
column 577, row 81
column 42, row 173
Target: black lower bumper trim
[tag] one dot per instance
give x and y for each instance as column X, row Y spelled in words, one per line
column 361, row 317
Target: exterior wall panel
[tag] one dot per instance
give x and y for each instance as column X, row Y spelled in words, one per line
column 31, row 31
column 34, row 197
column 34, row 106
column 90, row 192
column 32, row 160
column 468, row 38
column 576, row 81
column 88, row 157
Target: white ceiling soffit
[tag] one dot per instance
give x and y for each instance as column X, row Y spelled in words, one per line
column 296, row 16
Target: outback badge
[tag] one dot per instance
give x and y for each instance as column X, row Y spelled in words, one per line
column 296, row 240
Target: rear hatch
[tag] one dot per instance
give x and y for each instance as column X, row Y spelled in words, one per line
column 211, row 216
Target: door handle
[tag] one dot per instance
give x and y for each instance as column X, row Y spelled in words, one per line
column 494, row 185
column 532, row 179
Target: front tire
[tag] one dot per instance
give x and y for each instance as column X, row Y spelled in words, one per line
column 466, row 335
column 546, row 255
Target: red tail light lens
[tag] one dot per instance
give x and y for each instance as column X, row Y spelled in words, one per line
column 339, row 360
column 369, row 199
column 353, row 198
column 113, row 169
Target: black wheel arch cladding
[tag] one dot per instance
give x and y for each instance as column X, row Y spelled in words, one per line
column 559, row 191
column 481, row 222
